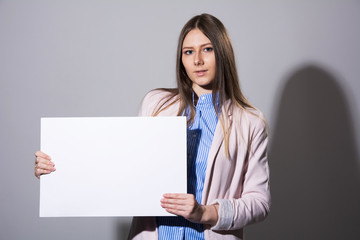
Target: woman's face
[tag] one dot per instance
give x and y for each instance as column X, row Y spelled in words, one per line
column 198, row 58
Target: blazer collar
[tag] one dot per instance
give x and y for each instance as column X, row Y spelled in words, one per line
column 218, row 140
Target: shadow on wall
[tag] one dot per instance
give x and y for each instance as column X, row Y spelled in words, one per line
column 123, row 228
column 315, row 182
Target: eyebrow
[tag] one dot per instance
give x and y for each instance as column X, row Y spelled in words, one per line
column 202, row 45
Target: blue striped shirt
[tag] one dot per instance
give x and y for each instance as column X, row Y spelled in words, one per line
column 199, row 138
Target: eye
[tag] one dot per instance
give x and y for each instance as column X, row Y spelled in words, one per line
column 188, row 52
column 208, row 49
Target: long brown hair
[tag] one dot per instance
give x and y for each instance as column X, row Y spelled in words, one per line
column 225, row 83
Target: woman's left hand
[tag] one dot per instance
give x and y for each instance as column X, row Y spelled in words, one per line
column 184, row 205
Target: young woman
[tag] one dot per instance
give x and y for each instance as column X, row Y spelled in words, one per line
column 228, row 173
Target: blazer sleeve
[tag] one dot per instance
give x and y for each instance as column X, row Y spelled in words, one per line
column 254, row 203
column 152, row 101
column 148, row 104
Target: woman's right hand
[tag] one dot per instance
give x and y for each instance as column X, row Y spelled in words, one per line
column 43, row 164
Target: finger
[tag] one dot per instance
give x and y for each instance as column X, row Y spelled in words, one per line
column 175, row 201
column 176, row 212
column 176, row 195
column 43, row 155
column 184, row 205
column 39, row 172
column 45, row 166
column 174, row 207
column 43, row 160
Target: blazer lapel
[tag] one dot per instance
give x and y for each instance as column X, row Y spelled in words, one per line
column 214, row 149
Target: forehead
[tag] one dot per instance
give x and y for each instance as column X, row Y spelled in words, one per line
column 195, row 38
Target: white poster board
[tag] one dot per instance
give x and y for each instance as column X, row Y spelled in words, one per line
column 118, row 166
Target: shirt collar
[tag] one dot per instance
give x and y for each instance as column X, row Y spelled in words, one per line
column 205, row 101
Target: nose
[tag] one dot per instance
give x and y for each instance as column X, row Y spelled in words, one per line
column 198, row 59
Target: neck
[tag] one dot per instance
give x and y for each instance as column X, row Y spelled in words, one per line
column 201, row 91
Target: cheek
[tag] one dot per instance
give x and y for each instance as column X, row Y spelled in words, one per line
column 186, row 66
column 213, row 62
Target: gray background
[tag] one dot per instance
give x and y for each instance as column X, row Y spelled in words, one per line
column 298, row 61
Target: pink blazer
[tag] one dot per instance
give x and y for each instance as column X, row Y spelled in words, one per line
column 239, row 183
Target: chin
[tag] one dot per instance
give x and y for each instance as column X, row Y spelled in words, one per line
column 206, row 85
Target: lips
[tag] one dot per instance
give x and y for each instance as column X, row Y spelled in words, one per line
column 200, row 73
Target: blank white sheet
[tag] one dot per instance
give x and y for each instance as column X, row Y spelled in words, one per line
column 118, row 166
